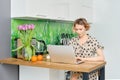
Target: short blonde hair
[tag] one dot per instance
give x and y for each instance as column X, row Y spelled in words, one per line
column 82, row 21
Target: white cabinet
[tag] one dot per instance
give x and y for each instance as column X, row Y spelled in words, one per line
column 18, row 8
column 81, row 8
column 30, row 8
column 37, row 73
column 38, row 8
column 60, row 11
column 51, row 9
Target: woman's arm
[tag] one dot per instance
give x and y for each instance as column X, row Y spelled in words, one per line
column 99, row 57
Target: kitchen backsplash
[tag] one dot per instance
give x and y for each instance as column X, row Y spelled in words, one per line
column 51, row 31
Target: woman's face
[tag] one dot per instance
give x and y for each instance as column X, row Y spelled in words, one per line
column 80, row 29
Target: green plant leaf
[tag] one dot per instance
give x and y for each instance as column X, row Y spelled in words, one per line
column 18, row 48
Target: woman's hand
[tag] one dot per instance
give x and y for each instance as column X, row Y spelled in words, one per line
column 80, row 59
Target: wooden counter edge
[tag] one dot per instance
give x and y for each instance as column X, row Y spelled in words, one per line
column 45, row 64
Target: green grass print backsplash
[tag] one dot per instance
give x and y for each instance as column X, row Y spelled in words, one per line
column 47, row 30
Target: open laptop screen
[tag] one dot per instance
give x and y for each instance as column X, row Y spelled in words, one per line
column 61, row 53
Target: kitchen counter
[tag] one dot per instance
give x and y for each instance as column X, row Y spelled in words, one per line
column 86, row 67
column 83, row 67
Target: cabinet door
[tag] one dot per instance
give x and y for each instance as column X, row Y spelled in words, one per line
column 18, row 8
column 48, row 8
column 60, row 11
column 81, row 8
column 51, row 9
column 39, row 8
column 39, row 73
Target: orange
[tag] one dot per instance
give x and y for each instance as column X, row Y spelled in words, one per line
column 34, row 58
column 39, row 57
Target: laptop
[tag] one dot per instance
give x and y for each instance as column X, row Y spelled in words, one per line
column 62, row 54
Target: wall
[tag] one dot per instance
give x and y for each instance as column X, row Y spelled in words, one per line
column 48, row 30
column 7, row 72
column 106, row 27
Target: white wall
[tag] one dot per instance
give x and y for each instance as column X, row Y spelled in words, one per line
column 7, row 72
column 106, row 28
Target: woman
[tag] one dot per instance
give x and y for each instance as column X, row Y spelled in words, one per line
column 86, row 47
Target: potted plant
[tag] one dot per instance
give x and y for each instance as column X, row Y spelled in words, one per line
column 26, row 34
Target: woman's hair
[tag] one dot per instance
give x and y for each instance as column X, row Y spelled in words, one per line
column 82, row 21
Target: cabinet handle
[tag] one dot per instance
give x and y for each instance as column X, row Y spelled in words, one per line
column 60, row 18
column 41, row 15
column 86, row 6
